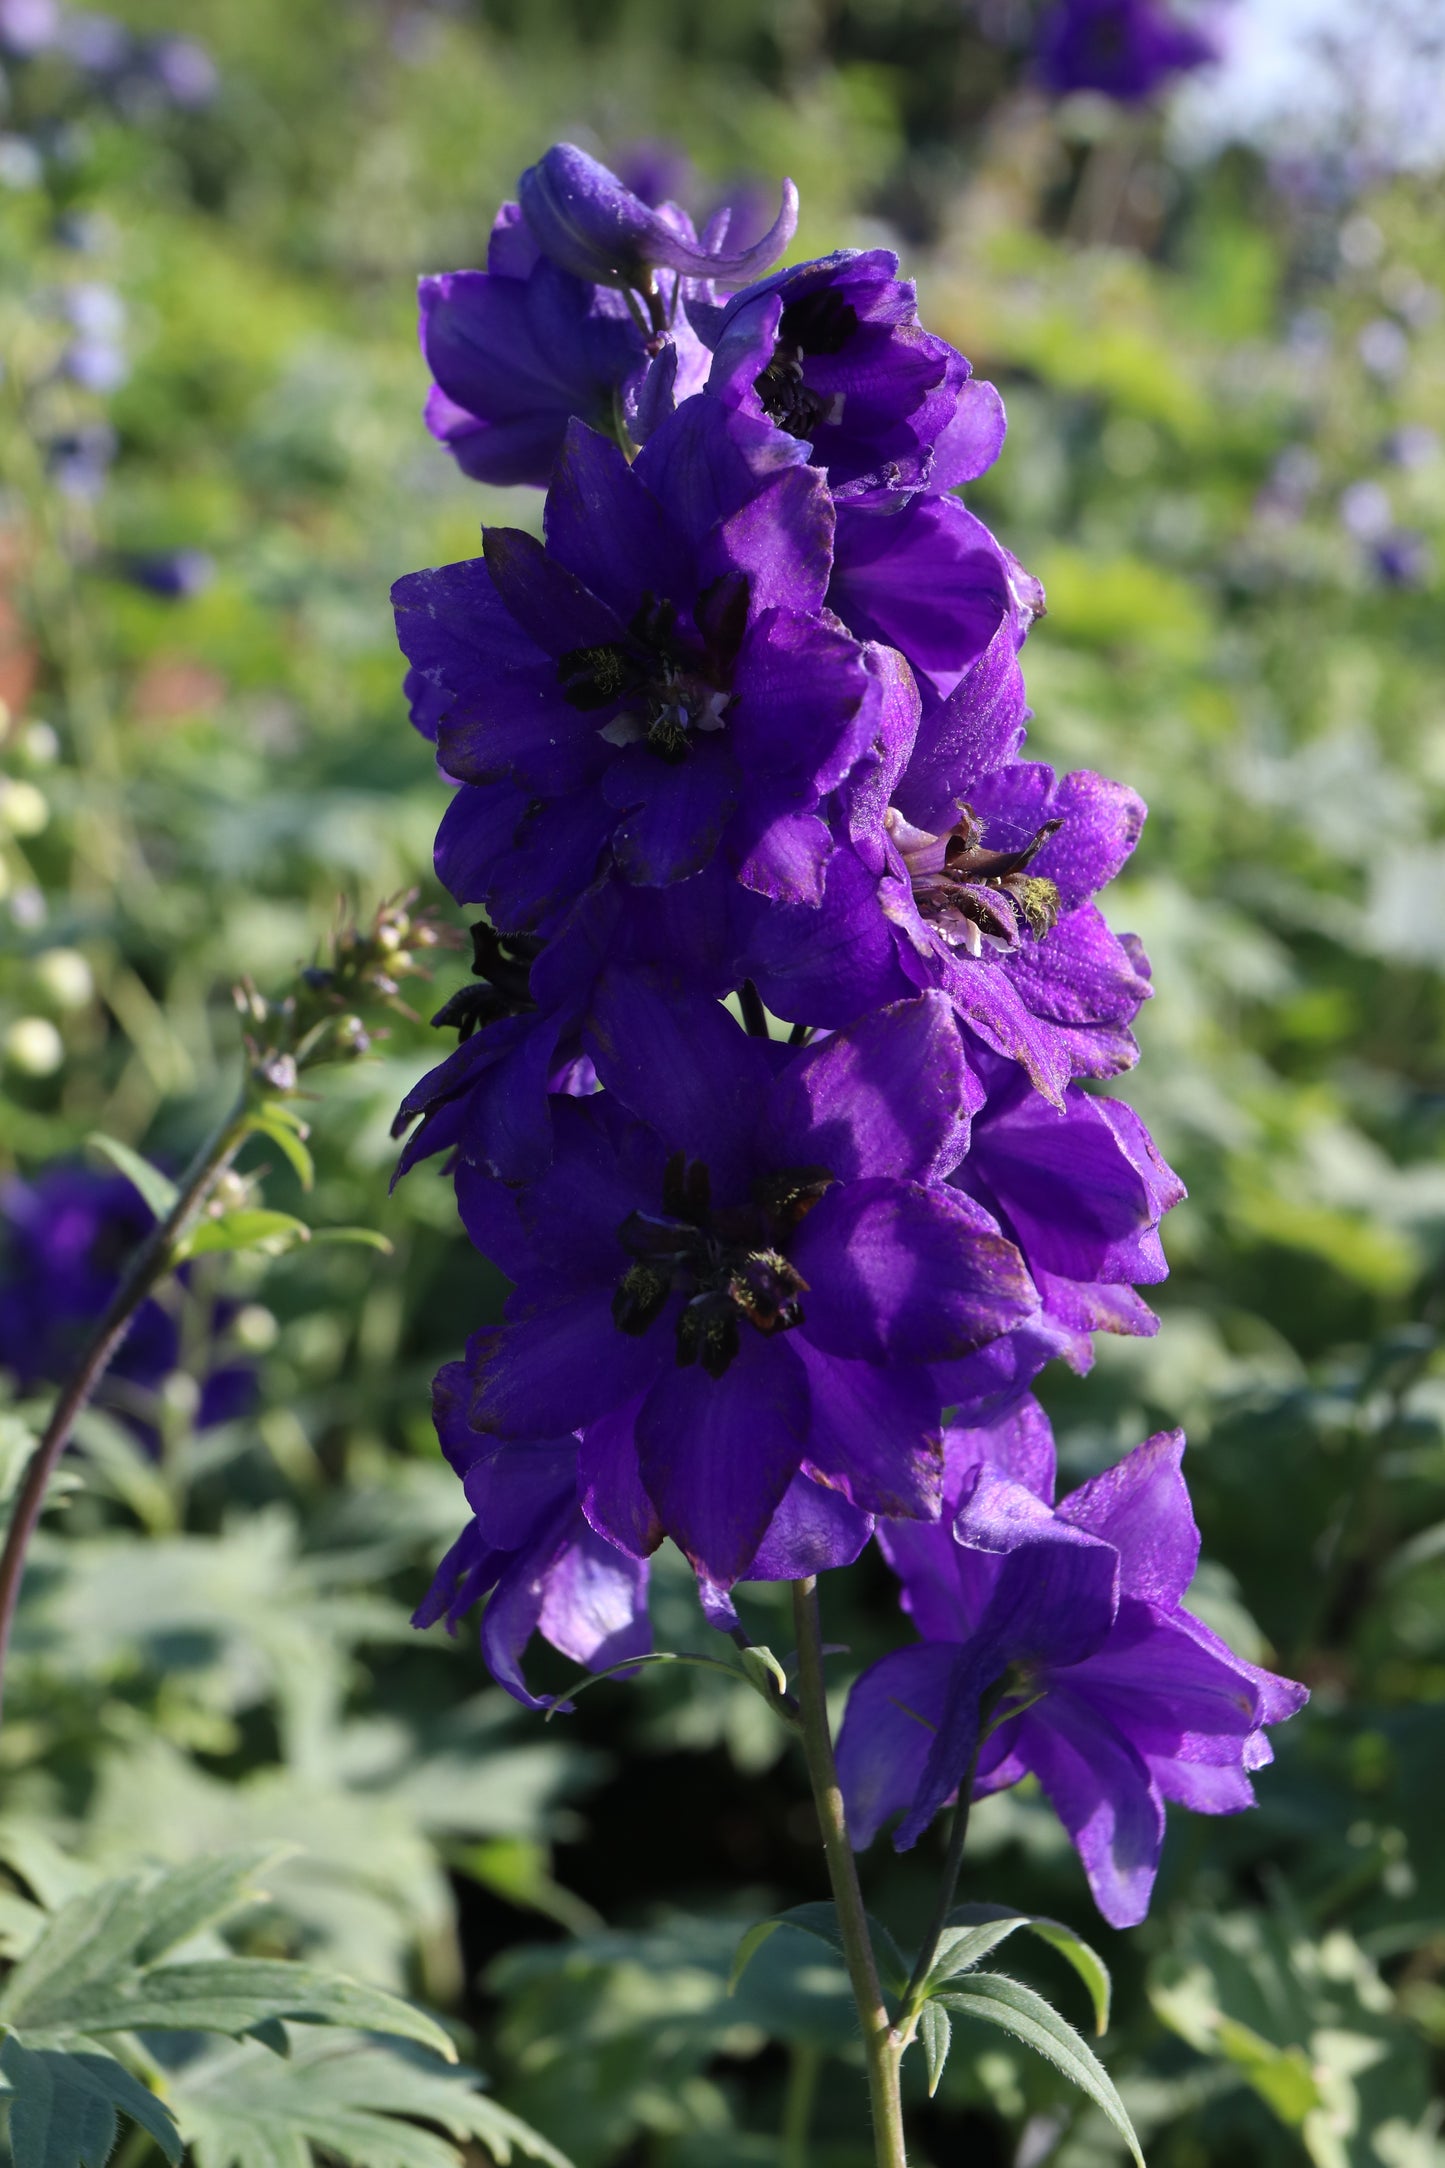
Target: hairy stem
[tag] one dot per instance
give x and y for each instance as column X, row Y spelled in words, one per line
column 880, row 2045
column 150, row 1264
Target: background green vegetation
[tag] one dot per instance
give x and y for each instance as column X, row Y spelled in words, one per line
column 214, row 1652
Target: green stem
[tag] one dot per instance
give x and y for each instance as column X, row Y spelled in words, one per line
column 804, row 2065
column 880, row 2045
column 151, row 1263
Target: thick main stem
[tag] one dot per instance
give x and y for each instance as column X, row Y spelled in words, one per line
column 150, row 1264
column 879, row 2044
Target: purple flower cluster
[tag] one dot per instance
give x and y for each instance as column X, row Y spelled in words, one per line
column 771, row 1096
column 65, row 1239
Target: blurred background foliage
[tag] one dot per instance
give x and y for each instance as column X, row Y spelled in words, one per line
column 1224, row 378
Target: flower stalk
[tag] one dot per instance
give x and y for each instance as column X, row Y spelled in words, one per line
column 881, row 2047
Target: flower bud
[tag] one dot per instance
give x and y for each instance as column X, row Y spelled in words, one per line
column 585, row 220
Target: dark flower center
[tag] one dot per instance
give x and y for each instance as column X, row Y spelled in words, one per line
column 973, row 896
column 502, row 963
column 665, row 681
column 727, row 1263
column 817, row 323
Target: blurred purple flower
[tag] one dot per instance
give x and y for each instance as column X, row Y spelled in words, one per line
column 1128, row 49
column 65, row 1240
column 589, row 223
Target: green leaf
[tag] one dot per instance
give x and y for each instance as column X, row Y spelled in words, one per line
column 289, row 1141
column 64, row 2107
column 1016, row 2009
column 230, row 1995
column 761, row 1669
column 821, row 1921
column 250, row 1229
column 991, row 1923
column 365, row 1238
column 935, row 2030
column 353, row 2100
column 158, row 1190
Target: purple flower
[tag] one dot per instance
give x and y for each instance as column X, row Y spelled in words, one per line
column 1126, row 48
column 186, row 72
column 1081, row 1190
column 517, row 351
column 654, row 685
column 28, row 27
column 529, row 1548
column 65, row 1241
column 588, row 223
column 1057, row 1636
column 750, row 1283
column 974, row 873
column 834, row 354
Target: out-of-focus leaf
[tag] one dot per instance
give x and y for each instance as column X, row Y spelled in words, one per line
column 248, row 1229
column 352, row 2101
column 65, row 2107
column 158, row 1190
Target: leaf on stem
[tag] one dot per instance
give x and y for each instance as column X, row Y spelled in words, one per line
column 1015, row 2009
column 974, row 1930
column 158, row 1190
column 935, row 2030
column 821, row 1921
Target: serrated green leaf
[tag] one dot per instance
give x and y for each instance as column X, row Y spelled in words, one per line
column 996, row 2000
column 352, row 2100
column 158, row 1190
column 108, row 1934
column 982, row 1919
column 64, row 2107
column 249, row 1229
column 285, row 1136
column 229, row 1995
column 935, row 2030
column 821, row 1921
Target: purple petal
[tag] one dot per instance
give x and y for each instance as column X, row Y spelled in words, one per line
column 686, row 1067
column 961, row 739
column 973, row 439
column 1106, row 1799
column 607, row 528
column 594, row 1608
column 717, row 1454
column 927, row 579
column 892, row 1095
column 610, row 1486
column 892, row 1717
column 675, row 813
column 561, row 1369
column 898, row 1273
column 553, row 608
column 1020, row 1445
column 1142, row 1507
column 813, row 1530
column 803, row 701
column 874, row 1435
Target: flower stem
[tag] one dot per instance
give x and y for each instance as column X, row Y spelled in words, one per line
column 880, row 2044
column 150, row 1264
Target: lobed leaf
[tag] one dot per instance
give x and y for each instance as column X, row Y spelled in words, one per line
column 353, row 2100
column 821, row 1920
column 935, row 2030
